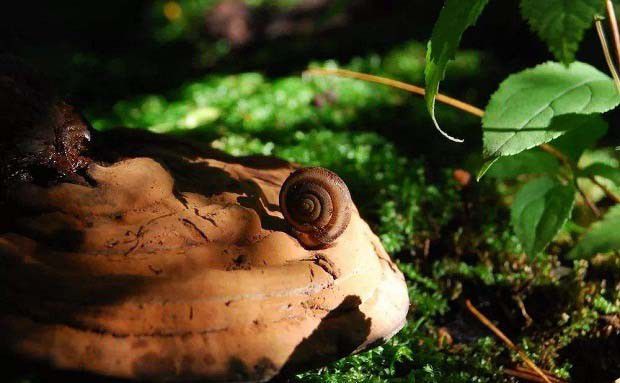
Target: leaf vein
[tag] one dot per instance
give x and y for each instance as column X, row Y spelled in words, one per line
column 537, row 113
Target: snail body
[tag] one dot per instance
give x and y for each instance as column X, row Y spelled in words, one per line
column 317, row 204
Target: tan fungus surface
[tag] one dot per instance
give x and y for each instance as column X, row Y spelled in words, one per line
column 163, row 271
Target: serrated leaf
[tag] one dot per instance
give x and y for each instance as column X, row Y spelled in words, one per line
column 533, row 161
column 603, row 237
column 561, row 23
column 520, row 114
column 586, row 132
column 603, row 170
column 581, row 132
column 455, row 17
column 539, row 211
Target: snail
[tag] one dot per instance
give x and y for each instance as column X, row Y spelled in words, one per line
column 317, row 204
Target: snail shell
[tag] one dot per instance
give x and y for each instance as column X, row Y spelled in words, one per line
column 317, row 204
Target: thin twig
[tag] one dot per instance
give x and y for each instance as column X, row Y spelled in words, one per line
column 568, row 163
column 506, row 340
column 528, row 319
column 613, row 23
column 549, row 374
column 397, row 84
column 588, row 202
column 564, row 160
column 610, row 62
column 611, row 195
column 523, row 368
column 529, row 376
column 557, row 154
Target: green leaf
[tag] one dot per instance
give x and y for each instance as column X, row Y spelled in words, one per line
column 486, row 167
column 605, row 155
column 603, row 170
column 455, row 17
column 561, row 23
column 539, row 211
column 520, row 114
column 586, row 132
column 603, row 237
column 533, row 161
column 583, row 132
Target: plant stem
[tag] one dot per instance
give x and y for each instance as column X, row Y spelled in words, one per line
column 610, row 62
column 528, row 319
column 588, row 202
column 569, row 164
column 605, row 190
column 506, row 340
column 458, row 104
column 523, row 375
column 613, row 23
column 557, row 154
column 529, row 376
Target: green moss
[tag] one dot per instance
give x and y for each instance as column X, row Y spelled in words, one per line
column 451, row 241
column 414, row 355
column 252, row 104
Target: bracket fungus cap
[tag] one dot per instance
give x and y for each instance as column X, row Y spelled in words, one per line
column 174, row 262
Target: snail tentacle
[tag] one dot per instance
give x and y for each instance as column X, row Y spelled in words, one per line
column 317, row 204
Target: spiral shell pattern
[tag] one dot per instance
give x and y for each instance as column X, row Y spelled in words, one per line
column 317, row 204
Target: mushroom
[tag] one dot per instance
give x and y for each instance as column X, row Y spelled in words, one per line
column 173, row 261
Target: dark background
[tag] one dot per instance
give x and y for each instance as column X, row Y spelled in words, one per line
column 48, row 34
